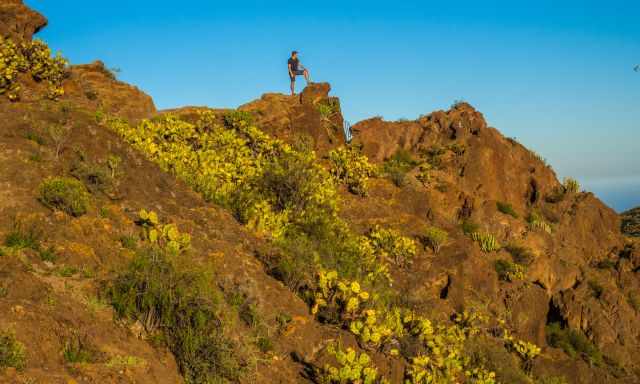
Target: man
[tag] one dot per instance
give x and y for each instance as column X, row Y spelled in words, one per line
column 296, row 69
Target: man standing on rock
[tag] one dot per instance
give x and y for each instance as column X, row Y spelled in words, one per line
column 296, row 69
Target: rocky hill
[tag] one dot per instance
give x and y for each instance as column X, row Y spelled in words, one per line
column 204, row 245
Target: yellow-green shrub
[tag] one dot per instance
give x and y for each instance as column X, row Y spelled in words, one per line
column 571, row 185
column 353, row 368
column 165, row 235
column 33, row 58
column 509, row 271
column 392, row 245
column 352, row 168
column 12, row 352
column 435, row 237
column 66, row 194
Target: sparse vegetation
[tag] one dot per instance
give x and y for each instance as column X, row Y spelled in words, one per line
column 12, row 352
column 488, row 242
column 469, row 227
column 536, row 221
column 435, row 237
column 172, row 296
column 97, row 177
column 77, row 349
column 66, row 194
column 509, row 271
column 125, row 361
column 573, row 343
column 507, row 209
column 521, row 254
column 59, row 134
column 596, row 288
column 21, row 237
column 397, row 167
column 571, row 185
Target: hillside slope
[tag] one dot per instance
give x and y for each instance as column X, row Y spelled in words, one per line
column 433, row 250
column 631, row 222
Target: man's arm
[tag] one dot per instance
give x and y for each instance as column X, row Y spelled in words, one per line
column 290, row 70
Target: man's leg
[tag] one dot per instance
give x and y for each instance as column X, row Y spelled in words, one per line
column 293, row 86
column 306, row 75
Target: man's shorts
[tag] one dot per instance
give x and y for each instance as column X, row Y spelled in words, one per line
column 299, row 72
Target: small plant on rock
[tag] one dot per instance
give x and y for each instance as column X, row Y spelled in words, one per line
column 397, row 167
column 509, row 271
column 392, row 245
column 66, row 194
column 488, row 242
column 12, row 352
column 507, row 209
column 536, row 221
column 571, row 185
column 353, row 368
column 435, row 237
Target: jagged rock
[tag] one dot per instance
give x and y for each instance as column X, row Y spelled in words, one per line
column 19, row 22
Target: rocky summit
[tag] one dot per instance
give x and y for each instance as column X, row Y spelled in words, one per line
column 252, row 245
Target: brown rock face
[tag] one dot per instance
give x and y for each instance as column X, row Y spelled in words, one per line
column 93, row 85
column 19, row 22
column 313, row 113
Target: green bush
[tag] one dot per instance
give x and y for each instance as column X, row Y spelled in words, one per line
column 521, row 254
column 177, row 300
column 66, row 194
column 20, row 237
column 573, row 343
column 435, row 237
column 397, row 167
column 507, row 209
column 12, row 352
column 96, row 177
column 469, row 227
column 78, row 350
column 509, row 271
column 596, row 289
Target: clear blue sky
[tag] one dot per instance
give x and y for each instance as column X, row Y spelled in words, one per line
column 556, row 75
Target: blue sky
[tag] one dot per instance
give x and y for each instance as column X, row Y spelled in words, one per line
column 558, row 77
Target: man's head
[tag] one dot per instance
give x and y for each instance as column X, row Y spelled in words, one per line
column 294, row 54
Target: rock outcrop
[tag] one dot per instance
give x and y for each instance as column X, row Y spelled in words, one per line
column 96, row 86
column 631, row 222
column 19, row 22
column 312, row 114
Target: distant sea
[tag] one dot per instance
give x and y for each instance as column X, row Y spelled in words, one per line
column 620, row 194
